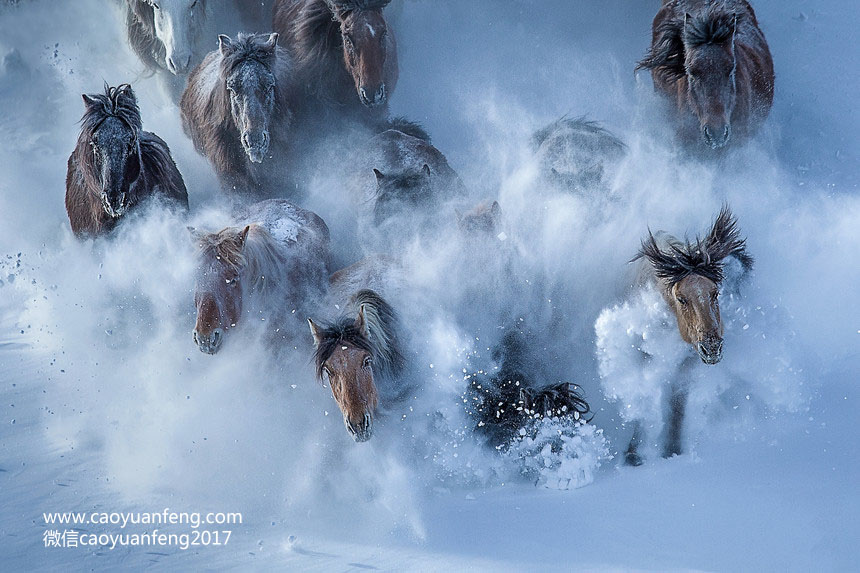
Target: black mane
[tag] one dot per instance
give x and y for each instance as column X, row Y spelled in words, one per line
column 334, row 334
column 119, row 102
column 247, row 47
column 704, row 257
column 712, row 27
column 350, row 5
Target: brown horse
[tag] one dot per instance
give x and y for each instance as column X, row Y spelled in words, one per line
column 712, row 60
column 277, row 258
column 345, row 53
column 116, row 165
column 360, row 356
column 237, row 109
column 689, row 276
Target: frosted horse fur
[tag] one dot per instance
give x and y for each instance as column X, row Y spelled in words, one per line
column 116, row 165
column 346, row 56
column 360, row 355
column 237, row 109
column 688, row 275
column 711, row 60
column 577, row 155
column 269, row 266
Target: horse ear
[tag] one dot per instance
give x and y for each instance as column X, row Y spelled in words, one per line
column 379, row 175
column 89, row 102
column 225, row 44
column 271, row 43
column 496, row 209
column 244, row 235
column 426, row 170
column 196, row 235
column 316, row 331
column 361, row 323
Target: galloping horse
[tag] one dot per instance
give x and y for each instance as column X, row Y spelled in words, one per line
column 345, row 53
column 688, row 275
column 237, row 111
column 711, row 59
column 116, row 165
column 270, row 265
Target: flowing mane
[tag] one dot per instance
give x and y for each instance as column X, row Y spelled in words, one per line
column 119, row 102
column 383, row 343
column 703, row 257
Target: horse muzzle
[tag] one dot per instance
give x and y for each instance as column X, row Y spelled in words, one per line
column 209, row 344
column 178, row 64
column 710, row 351
column 256, row 145
column 362, row 431
column 115, row 204
column 376, row 99
column 716, row 136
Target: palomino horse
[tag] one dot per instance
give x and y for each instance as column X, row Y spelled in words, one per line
column 237, row 111
column 116, row 165
column 345, row 53
column 577, row 155
column 361, row 353
column 689, row 276
column 711, row 59
column 276, row 259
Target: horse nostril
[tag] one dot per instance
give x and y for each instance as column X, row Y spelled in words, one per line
column 195, row 337
column 363, row 93
column 380, row 94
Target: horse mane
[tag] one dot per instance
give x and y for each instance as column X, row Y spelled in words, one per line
column 576, row 124
column 352, row 5
column 140, row 27
column 258, row 257
column 409, row 127
column 674, row 35
column 383, row 342
column 119, row 102
column 316, row 34
column 704, row 257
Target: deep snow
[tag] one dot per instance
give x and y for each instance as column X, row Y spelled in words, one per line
column 108, row 406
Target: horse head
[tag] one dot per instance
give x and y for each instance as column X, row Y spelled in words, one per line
column 218, row 288
column 367, row 44
column 176, row 24
column 710, row 64
column 344, row 358
column 400, row 192
column 112, row 124
column 692, row 274
column 248, row 72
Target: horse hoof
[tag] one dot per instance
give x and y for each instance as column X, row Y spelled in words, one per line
column 633, row 459
column 672, row 452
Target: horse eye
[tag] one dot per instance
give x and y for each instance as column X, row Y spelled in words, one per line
column 368, row 362
column 682, row 300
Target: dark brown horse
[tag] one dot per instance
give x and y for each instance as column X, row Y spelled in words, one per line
column 689, row 276
column 269, row 266
column 710, row 58
column 116, row 165
column 345, row 53
column 237, row 111
column 360, row 356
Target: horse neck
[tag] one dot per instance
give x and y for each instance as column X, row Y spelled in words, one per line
column 266, row 265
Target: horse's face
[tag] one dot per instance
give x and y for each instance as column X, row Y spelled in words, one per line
column 176, row 25
column 217, row 297
column 711, row 90
column 116, row 158
column 485, row 219
column 365, row 48
column 401, row 193
column 251, row 86
column 349, row 371
column 695, row 300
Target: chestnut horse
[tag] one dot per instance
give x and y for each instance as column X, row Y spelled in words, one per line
column 277, row 259
column 360, row 356
column 116, row 165
column 345, row 53
column 689, row 276
column 237, row 111
column 711, row 59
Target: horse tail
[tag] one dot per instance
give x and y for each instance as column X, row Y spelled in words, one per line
column 383, row 327
column 412, row 128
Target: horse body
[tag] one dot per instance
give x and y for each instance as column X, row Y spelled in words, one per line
column 713, row 62
column 237, row 109
column 346, row 58
column 116, row 165
column 276, row 259
column 577, row 155
column 689, row 276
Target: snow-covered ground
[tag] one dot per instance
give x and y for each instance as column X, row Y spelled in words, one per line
column 107, row 406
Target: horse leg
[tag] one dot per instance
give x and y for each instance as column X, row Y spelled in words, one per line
column 631, row 456
column 677, row 405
